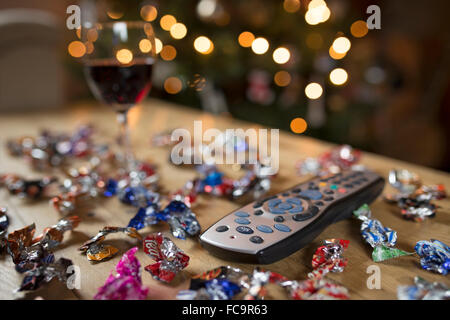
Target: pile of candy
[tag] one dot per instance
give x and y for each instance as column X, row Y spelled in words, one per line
column 381, row 239
column 414, row 198
column 226, row 282
column 34, row 256
column 423, row 290
column 331, row 162
column 435, row 256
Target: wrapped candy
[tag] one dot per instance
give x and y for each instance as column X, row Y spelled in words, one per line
column 328, row 258
column 138, row 196
column 96, row 250
column 127, row 283
column 423, row 290
column 178, row 215
column 381, row 239
column 31, row 189
column 435, row 256
column 331, row 162
column 45, row 272
column 404, row 180
column 4, row 223
column 316, row 289
column 258, row 281
column 169, row 258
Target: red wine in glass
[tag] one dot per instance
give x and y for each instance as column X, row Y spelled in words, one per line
column 118, row 85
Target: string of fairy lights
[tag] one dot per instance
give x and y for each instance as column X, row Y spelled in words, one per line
column 317, row 12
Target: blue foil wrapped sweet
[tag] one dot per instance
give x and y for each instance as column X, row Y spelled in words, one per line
column 435, row 256
column 138, row 196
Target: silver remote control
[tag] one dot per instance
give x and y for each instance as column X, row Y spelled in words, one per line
column 270, row 229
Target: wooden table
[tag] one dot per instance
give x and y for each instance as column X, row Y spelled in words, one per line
column 155, row 116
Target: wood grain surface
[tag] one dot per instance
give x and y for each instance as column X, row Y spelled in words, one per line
column 154, row 116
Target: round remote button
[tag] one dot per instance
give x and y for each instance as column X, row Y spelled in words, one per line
column 274, row 202
column 265, row 229
column 333, row 187
column 278, row 219
column 256, row 239
column 222, row 228
column 364, row 179
column 257, row 205
column 285, row 194
column 242, row 214
column 285, row 206
column 297, row 209
column 258, row 212
column 312, row 194
column 348, row 185
column 296, row 201
column 302, row 217
column 282, row 227
column 342, row 190
column 244, row 230
column 242, row 221
column 328, row 198
column 328, row 192
column 276, row 210
column 297, row 190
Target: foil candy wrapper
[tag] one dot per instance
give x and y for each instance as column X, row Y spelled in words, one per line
column 381, row 239
column 423, row 290
column 435, row 256
column 127, row 283
column 4, row 224
column 329, row 258
column 97, row 251
column 315, row 289
column 30, row 189
column 169, row 258
column 182, row 221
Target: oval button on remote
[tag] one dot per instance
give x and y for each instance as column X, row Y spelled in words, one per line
column 256, row 239
column 222, row 228
column 244, row 230
column 265, row 229
column 242, row 214
column 242, row 221
column 282, row 227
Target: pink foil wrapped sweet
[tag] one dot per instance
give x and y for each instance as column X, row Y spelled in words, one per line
column 127, row 284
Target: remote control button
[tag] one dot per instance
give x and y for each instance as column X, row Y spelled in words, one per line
column 296, row 201
column 244, row 230
column 302, row 217
column 222, row 228
column 333, row 187
column 328, row 199
column 319, row 203
column 364, row 179
column 297, row 190
column 285, row 206
column 282, row 227
column 342, row 190
column 297, row 209
column 328, row 192
column 322, row 184
column 269, row 198
column 258, row 212
column 278, row 219
column 242, row 214
column 274, row 202
column 242, row 221
column 312, row 194
column 276, row 210
column 348, row 185
column 264, row 228
column 256, row 239
column 257, row 205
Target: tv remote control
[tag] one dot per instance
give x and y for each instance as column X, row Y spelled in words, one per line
column 270, row 229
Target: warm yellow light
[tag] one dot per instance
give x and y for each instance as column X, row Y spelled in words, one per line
column 78, row 33
column 203, row 45
column 149, row 13
column 359, row 29
column 158, row 45
column 89, row 47
column 317, row 15
column 115, row 14
column 281, row 55
column 167, row 22
column 282, row 78
column 92, row 35
column 291, row 6
column 260, row 45
column 335, row 55
column 168, row 53
column 341, row 45
column 76, row 49
column 246, row 39
column 124, row 56
column 313, row 90
column 316, row 3
column 145, row 45
column 173, row 85
column 178, row 31
column 338, row 76
column 299, row 125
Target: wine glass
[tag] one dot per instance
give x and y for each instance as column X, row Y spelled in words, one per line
column 118, row 65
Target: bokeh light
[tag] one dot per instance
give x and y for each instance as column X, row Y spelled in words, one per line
column 149, row 13
column 313, row 90
column 206, row 8
column 246, row 39
column 341, row 45
column 158, row 45
column 167, row 22
column 92, row 35
column 260, row 45
column 76, row 49
column 168, row 53
column 298, row 125
column 314, row 41
column 178, row 31
column 203, row 45
column 124, row 56
column 89, row 47
column 281, row 55
column 173, row 85
column 291, row 6
column 115, row 14
column 335, row 55
column 338, row 76
column 359, row 29
column 282, row 78
column 318, row 12
column 145, row 45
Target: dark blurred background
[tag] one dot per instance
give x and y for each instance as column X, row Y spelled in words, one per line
column 395, row 102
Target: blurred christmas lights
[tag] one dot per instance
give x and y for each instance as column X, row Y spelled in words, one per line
column 338, row 76
column 260, row 45
column 313, row 90
column 281, row 55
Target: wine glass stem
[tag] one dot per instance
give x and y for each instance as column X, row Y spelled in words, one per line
column 124, row 138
